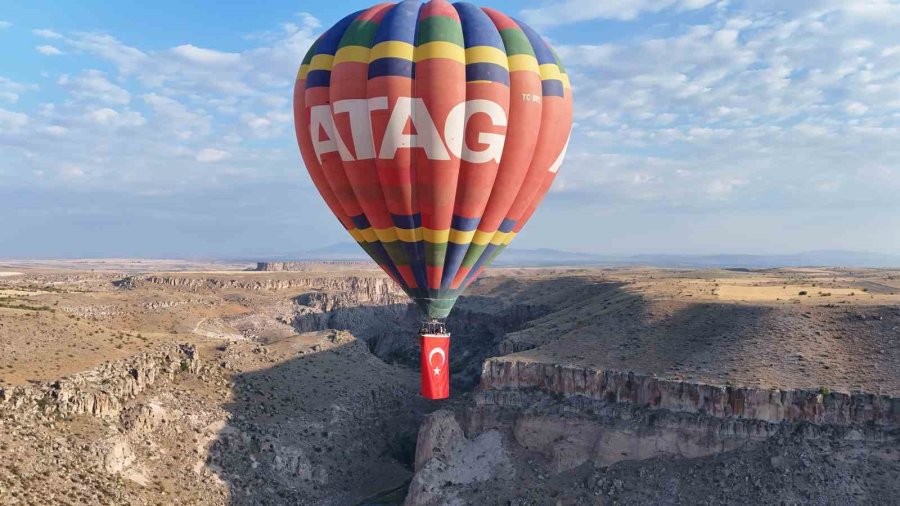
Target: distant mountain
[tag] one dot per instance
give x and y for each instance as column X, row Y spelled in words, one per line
column 835, row 258
column 515, row 257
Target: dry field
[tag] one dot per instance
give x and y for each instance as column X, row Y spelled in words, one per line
column 791, row 328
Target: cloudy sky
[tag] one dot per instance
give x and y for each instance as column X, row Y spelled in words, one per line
column 702, row 126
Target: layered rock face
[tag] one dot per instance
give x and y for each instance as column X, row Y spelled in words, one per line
column 573, row 414
column 678, row 396
column 371, row 286
column 100, row 392
column 281, row 266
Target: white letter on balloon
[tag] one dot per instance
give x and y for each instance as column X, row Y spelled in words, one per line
column 458, row 122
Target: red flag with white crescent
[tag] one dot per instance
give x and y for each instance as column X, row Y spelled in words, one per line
column 435, row 366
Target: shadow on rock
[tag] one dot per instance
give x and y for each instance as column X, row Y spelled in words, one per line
column 332, row 424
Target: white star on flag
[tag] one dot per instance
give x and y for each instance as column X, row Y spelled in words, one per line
column 437, row 371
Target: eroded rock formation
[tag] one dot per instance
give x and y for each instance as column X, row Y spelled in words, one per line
column 770, row 405
column 100, row 392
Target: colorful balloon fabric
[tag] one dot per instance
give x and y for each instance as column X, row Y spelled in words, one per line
column 433, row 131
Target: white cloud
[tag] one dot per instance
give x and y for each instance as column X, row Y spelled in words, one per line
column 571, row 11
column 55, row 130
column 11, row 90
column 856, row 108
column 208, row 72
column 753, row 105
column 199, row 55
column 93, row 85
column 46, row 33
column 179, row 119
column 210, row 155
column 48, row 50
column 12, row 121
column 4, row 24
column 110, row 117
column 191, row 98
column 270, row 124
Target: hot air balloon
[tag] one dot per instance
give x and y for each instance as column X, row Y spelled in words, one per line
column 432, row 131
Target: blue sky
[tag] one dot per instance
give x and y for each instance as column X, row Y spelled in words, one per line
column 702, row 126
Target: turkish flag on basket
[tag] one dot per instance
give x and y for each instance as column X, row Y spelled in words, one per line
column 435, row 366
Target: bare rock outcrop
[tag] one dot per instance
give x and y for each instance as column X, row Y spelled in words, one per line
column 103, row 391
column 770, row 405
column 439, row 433
column 459, row 462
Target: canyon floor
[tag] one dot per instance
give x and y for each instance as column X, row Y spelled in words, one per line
column 151, row 382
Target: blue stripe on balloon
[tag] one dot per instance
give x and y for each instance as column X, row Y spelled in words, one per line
column 399, row 67
column 399, row 23
column 318, row 78
column 360, row 221
column 478, row 29
column 389, row 263
column 553, row 88
column 331, row 40
column 507, row 225
column 464, row 224
column 407, row 221
column 415, row 254
column 452, row 260
column 485, row 71
column 541, row 51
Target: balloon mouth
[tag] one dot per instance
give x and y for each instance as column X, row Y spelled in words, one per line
column 436, row 308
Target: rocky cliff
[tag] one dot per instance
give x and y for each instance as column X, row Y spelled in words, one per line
column 281, row 266
column 367, row 286
column 771, row 405
column 100, row 392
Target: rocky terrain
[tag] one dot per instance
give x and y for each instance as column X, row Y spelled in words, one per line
column 136, row 383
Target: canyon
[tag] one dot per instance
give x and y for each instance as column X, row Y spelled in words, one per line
column 297, row 384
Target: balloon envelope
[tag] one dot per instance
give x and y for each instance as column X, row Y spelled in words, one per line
column 432, row 131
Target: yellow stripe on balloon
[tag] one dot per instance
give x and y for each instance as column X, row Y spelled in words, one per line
column 502, row 238
column 565, row 81
column 356, row 54
column 509, row 237
column 392, row 49
column 304, row 69
column 461, row 237
column 550, row 72
column 321, row 62
column 385, row 234
column 486, row 54
column 481, row 238
column 369, row 235
column 409, row 234
column 440, row 49
column 357, row 235
column 523, row 62
column 436, row 236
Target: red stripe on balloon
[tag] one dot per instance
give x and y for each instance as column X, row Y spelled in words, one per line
column 522, row 135
column 301, row 128
column 438, row 8
column 501, row 21
column 331, row 162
